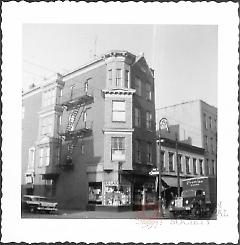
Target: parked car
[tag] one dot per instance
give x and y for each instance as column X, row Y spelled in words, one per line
column 38, row 203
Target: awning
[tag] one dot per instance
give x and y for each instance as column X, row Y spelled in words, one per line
column 171, row 181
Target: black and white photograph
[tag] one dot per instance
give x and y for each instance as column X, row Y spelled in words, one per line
column 121, row 122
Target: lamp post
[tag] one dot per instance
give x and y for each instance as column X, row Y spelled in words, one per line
column 177, row 165
column 163, row 124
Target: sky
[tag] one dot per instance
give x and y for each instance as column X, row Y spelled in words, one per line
column 184, row 57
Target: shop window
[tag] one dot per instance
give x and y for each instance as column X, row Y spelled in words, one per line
column 148, row 91
column 137, row 151
column 118, row 148
column 138, row 86
column 118, row 78
column 149, row 120
column 194, row 166
column 118, row 111
column 31, row 158
column 95, row 193
column 126, row 79
column 170, row 158
column 137, row 117
column 149, row 153
column 200, row 166
column 117, row 195
column 187, row 162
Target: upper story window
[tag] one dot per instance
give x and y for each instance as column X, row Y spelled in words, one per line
column 149, row 153
column 205, row 120
column 206, row 166
column 194, row 166
column 200, row 166
column 206, row 142
column 170, row 161
column 118, row 77
column 137, row 117
column 138, row 86
column 180, row 163
column 210, row 122
column 213, row 168
column 31, row 158
column 49, row 97
column 86, row 86
column 148, row 91
column 47, row 126
column 187, row 161
column 137, row 151
column 212, row 148
column 44, row 156
column 149, row 120
column 126, row 85
column 110, row 76
column 118, row 148
column 118, row 111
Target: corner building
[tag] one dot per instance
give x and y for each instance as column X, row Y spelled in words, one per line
column 96, row 138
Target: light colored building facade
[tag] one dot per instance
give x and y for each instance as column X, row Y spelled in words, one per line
column 195, row 123
column 94, row 135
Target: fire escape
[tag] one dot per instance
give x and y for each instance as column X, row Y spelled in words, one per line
column 74, row 103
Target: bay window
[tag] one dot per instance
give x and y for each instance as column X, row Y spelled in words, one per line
column 118, row 111
column 118, row 148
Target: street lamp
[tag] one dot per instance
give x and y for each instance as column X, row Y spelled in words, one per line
column 163, row 124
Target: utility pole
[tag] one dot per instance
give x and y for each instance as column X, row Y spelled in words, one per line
column 177, row 165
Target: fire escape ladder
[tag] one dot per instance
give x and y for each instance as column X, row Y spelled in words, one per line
column 72, row 119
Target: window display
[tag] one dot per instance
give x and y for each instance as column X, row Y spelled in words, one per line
column 117, row 195
column 95, row 192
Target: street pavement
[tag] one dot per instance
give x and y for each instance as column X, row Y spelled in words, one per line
column 76, row 214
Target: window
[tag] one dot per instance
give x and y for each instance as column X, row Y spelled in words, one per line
column 149, row 120
column 110, row 76
column 72, row 91
column 118, row 77
column 44, row 156
column 137, row 151
column 170, row 156
column 194, row 166
column 206, row 167
column 205, row 120
column 162, row 161
column 210, row 122
column 213, row 168
column 118, row 148
column 206, row 142
column 31, row 158
column 187, row 165
column 47, row 126
column 138, row 86
column 41, row 157
column 148, row 91
column 200, row 166
column 86, row 86
column 137, row 117
column 126, row 79
column 118, row 111
column 180, row 163
column 149, row 153
column 49, row 97
column 211, row 140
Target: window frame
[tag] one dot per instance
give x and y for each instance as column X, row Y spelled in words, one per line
column 137, row 117
column 172, row 169
column 123, row 149
column 118, row 78
column 138, row 150
column 149, row 120
column 138, row 86
column 187, row 164
column 194, row 166
column 126, row 79
column 114, row 111
column 149, row 153
column 148, row 92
